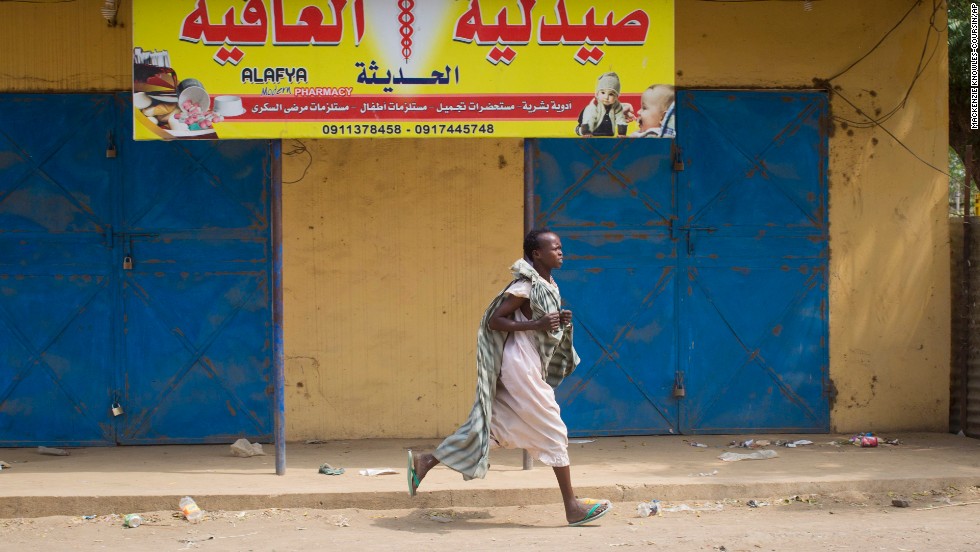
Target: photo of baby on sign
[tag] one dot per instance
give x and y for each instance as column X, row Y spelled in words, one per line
column 606, row 115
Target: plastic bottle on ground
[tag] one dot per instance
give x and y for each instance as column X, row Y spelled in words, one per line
column 190, row 509
column 132, row 520
column 647, row 509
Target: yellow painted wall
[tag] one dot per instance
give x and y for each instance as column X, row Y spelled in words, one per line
column 381, row 237
column 64, row 47
column 392, row 248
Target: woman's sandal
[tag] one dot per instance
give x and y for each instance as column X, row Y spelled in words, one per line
column 413, row 478
column 593, row 514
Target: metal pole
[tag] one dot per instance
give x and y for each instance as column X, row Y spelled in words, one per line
column 529, row 144
column 967, row 291
column 278, row 355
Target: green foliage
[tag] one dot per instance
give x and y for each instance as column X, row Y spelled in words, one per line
column 958, row 40
column 959, row 43
column 957, row 173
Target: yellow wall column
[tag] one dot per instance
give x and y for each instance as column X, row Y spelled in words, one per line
column 393, row 249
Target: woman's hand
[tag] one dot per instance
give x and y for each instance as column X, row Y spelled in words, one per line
column 565, row 317
column 549, row 322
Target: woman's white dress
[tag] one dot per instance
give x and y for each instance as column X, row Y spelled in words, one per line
column 525, row 413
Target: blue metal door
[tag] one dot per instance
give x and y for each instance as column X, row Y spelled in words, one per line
column 165, row 274
column 612, row 202
column 752, row 224
column 710, row 278
column 196, row 314
column 56, row 293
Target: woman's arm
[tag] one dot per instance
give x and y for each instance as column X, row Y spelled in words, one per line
column 502, row 319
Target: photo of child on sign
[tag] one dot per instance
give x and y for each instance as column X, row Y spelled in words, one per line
column 606, row 115
column 656, row 113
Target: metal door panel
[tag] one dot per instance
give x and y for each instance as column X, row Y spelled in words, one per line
column 195, row 355
column 752, row 219
column 717, row 272
column 56, row 297
column 754, row 160
column 180, row 184
column 620, row 388
column 580, row 184
column 611, row 202
column 749, row 350
column 197, row 303
column 726, row 247
column 183, row 340
column 49, row 327
column 64, row 175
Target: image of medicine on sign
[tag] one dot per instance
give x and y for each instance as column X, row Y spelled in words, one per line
column 228, row 69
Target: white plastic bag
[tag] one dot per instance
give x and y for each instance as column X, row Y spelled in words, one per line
column 244, row 449
column 757, row 455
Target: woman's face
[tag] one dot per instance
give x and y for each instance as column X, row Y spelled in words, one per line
column 549, row 251
column 651, row 114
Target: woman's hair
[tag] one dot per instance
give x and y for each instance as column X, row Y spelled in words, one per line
column 531, row 241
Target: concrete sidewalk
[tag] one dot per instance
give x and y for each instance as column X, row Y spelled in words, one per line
column 623, row 469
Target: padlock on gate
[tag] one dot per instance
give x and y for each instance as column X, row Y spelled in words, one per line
column 128, row 262
column 679, row 391
column 117, row 409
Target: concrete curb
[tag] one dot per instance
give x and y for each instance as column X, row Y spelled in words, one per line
column 41, row 506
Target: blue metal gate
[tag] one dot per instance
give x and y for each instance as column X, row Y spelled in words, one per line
column 753, row 219
column 710, row 278
column 56, row 292
column 141, row 279
column 613, row 202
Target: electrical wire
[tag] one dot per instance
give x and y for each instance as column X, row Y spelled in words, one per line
column 919, row 70
column 924, row 61
column 877, row 44
column 888, row 132
column 299, row 148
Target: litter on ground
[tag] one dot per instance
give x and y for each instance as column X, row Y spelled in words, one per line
column 243, row 449
column 758, row 455
column 371, row 472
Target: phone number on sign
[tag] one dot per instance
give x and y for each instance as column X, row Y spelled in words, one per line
column 398, row 130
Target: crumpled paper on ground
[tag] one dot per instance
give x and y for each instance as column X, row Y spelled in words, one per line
column 758, row 455
column 242, row 448
column 371, row 472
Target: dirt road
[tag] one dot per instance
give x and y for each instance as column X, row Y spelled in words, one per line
column 947, row 520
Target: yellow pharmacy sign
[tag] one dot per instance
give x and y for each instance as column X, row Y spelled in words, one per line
column 402, row 68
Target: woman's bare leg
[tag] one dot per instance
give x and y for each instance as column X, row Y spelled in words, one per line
column 424, row 463
column 574, row 510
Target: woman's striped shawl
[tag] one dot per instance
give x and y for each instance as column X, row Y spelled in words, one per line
column 467, row 451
